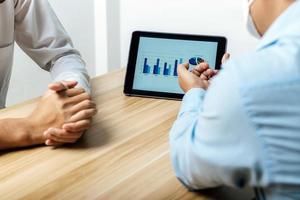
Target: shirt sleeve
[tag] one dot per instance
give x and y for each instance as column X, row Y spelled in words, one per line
column 71, row 67
column 41, row 36
column 212, row 141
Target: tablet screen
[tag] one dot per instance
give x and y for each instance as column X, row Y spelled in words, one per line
column 158, row 59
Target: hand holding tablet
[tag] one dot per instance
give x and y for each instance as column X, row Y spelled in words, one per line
column 155, row 57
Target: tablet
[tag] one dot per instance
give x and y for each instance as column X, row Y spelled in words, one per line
column 154, row 59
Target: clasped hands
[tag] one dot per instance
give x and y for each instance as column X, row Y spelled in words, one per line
column 199, row 77
column 62, row 115
column 65, row 112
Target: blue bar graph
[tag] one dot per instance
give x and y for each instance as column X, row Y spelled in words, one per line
column 147, row 68
column 175, row 68
column 156, row 69
column 167, row 69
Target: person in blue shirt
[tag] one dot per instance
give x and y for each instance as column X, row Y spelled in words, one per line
column 241, row 127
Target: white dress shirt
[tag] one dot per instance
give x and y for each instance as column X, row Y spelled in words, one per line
column 37, row 30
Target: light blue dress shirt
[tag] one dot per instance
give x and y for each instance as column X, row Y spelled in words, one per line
column 245, row 130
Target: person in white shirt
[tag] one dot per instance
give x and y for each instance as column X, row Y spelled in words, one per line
column 65, row 111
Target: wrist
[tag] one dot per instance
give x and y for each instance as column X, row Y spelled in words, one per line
column 195, row 87
column 33, row 131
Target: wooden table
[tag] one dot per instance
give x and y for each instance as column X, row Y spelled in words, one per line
column 125, row 155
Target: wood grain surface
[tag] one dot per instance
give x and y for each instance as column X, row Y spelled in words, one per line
column 125, row 154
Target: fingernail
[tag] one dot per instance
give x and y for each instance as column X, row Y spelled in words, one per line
column 47, row 142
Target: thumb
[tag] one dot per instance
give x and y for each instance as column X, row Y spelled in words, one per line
column 62, row 85
column 183, row 66
column 225, row 58
column 183, row 70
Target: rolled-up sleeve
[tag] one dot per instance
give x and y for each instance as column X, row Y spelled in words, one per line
column 211, row 137
column 41, row 36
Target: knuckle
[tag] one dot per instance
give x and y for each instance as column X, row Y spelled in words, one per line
column 52, row 137
column 72, row 128
column 64, row 104
column 93, row 104
column 81, row 90
column 60, row 135
column 75, row 126
column 71, row 92
column 87, row 102
column 86, row 112
column 95, row 111
column 87, row 96
column 87, row 123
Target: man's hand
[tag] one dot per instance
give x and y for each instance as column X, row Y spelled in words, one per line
column 204, row 72
column 73, row 129
column 225, row 58
column 72, row 110
column 79, row 122
column 188, row 80
column 199, row 77
column 201, row 69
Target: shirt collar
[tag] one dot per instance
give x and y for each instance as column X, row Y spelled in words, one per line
column 287, row 25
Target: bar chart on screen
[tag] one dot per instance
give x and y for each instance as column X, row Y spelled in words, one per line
column 159, row 59
column 161, row 66
column 168, row 66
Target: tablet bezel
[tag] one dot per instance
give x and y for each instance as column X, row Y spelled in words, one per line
column 133, row 53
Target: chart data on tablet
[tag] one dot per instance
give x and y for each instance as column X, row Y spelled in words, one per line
column 158, row 60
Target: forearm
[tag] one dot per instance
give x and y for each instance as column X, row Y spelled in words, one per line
column 182, row 136
column 14, row 133
column 190, row 163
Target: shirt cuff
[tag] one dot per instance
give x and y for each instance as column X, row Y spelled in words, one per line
column 71, row 68
column 192, row 101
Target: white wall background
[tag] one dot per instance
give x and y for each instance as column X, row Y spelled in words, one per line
column 208, row 17
column 101, row 30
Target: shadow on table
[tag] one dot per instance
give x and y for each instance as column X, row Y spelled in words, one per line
column 97, row 136
column 227, row 193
